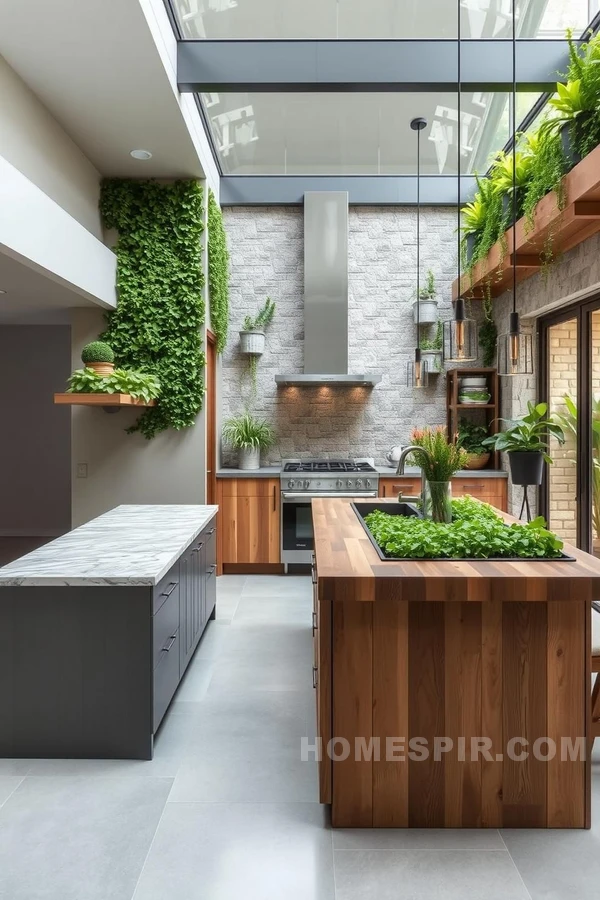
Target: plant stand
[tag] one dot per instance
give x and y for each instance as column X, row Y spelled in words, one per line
column 525, row 504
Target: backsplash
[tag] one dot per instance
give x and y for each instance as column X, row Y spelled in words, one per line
column 266, row 247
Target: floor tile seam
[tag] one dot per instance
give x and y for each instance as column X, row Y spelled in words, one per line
column 150, row 846
column 515, row 865
column 16, row 787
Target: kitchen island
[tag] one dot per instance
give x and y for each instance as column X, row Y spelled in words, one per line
column 442, row 653
column 97, row 629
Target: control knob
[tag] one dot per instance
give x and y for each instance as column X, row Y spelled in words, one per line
column 306, row 485
column 291, row 484
column 359, row 483
column 349, row 483
column 368, row 483
column 339, row 484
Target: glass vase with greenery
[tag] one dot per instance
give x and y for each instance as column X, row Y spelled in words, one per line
column 248, row 435
column 438, row 459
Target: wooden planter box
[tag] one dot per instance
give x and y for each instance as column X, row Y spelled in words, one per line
column 100, row 400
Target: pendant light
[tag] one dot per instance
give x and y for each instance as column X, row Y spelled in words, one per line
column 460, row 333
column 515, row 349
column 417, row 374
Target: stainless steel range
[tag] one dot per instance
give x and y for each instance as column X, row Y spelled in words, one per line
column 303, row 479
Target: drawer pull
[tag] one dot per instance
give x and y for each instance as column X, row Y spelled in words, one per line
column 313, row 573
column 314, row 622
column 172, row 585
column 172, row 640
column 212, row 531
column 315, row 676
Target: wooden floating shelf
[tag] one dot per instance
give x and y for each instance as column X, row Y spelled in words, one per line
column 568, row 228
column 100, row 400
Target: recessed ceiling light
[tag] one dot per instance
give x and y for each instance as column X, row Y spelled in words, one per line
column 2, row 292
column 141, row 154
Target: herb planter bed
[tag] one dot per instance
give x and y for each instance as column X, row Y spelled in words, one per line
column 395, row 528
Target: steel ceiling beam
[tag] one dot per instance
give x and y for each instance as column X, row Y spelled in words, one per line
column 363, row 190
column 411, row 66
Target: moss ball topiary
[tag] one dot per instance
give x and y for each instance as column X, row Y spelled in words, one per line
column 97, row 351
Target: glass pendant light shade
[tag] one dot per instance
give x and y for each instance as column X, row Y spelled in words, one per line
column 460, row 336
column 515, row 350
column 417, row 372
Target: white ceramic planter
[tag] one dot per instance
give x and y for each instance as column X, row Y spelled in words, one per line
column 434, row 361
column 427, row 312
column 249, row 458
column 252, row 342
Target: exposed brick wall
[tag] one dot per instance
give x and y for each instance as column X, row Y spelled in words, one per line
column 562, row 361
column 266, row 246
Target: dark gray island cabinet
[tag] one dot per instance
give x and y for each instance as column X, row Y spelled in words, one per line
column 97, row 629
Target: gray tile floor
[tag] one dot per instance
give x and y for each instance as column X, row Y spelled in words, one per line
column 226, row 810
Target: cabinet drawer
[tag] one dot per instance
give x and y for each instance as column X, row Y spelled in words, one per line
column 249, row 487
column 210, row 543
column 391, row 487
column 164, row 588
column 166, row 679
column 165, row 624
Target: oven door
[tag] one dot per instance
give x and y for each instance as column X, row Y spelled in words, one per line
column 297, row 540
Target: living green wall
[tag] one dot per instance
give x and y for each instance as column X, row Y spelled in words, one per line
column 218, row 273
column 160, row 310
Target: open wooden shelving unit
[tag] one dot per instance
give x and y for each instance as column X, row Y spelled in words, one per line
column 569, row 227
column 492, row 410
column 101, row 400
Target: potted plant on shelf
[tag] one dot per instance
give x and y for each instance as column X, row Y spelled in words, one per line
column 98, row 356
column 427, row 301
column 501, row 181
column 474, row 217
column 248, row 435
column 471, row 437
column 431, row 350
column 438, row 459
column 525, row 441
column 142, row 387
column 252, row 336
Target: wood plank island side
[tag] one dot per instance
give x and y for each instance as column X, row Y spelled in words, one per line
column 485, row 661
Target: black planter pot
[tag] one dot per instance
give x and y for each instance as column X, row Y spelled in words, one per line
column 470, row 241
column 509, row 214
column 569, row 133
column 526, row 468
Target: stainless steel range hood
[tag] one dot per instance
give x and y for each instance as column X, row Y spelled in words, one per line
column 326, row 294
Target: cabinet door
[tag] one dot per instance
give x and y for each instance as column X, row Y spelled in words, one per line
column 391, row 487
column 185, row 612
column 210, row 570
column 490, row 490
column 249, row 521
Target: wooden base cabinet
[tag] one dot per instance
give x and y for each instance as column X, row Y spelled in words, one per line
column 249, row 520
column 89, row 671
column 489, row 489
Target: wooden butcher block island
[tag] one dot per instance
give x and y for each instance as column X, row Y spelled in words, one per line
column 449, row 651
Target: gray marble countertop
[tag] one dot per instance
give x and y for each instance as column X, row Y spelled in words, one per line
column 274, row 472
column 129, row 545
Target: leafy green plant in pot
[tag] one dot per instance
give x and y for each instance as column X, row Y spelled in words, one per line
column 438, row 459
column 252, row 335
column 473, row 222
column 471, row 437
column 248, row 435
column 525, row 440
column 98, row 356
column 432, row 350
column 427, row 302
column 501, row 177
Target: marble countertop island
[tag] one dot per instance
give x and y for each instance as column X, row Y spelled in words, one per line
column 129, row 545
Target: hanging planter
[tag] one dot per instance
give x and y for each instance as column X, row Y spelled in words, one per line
column 425, row 311
column 252, row 342
column 433, row 359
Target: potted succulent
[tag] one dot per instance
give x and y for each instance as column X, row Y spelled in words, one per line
column 252, row 336
column 438, row 459
column 431, row 350
column 470, row 437
column 427, row 302
column 98, row 356
column 525, row 440
column 248, row 435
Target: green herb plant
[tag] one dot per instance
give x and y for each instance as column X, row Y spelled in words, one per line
column 440, row 458
column 428, row 291
column 488, row 331
column 140, row 385
column 476, row 532
column 471, row 436
column 436, row 342
column 262, row 319
column 97, row 351
column 245, row 432
column 218, row 273
column 156, row 326
column 529, row 433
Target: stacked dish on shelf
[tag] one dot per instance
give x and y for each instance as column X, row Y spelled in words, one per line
column 472, row 390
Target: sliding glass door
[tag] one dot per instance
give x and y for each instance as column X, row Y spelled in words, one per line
column 570, row 383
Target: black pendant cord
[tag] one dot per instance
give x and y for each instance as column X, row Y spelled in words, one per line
column 458, row 143
column 418, row 238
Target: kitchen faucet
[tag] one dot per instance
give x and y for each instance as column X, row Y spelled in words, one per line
column 400, row 470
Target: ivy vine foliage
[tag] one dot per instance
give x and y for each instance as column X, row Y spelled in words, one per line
column 218, row 273
column 156, row 326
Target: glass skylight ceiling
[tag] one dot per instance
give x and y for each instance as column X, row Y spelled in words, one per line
column 379, row 19
column 356, row 133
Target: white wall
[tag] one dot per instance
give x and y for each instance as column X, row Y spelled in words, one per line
column 124, row 468
column 35, row 438
column 33, row 141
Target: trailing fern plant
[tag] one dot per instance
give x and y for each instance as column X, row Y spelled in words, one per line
column 156, row 326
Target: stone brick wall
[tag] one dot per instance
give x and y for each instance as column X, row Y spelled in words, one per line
column 266, row 247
